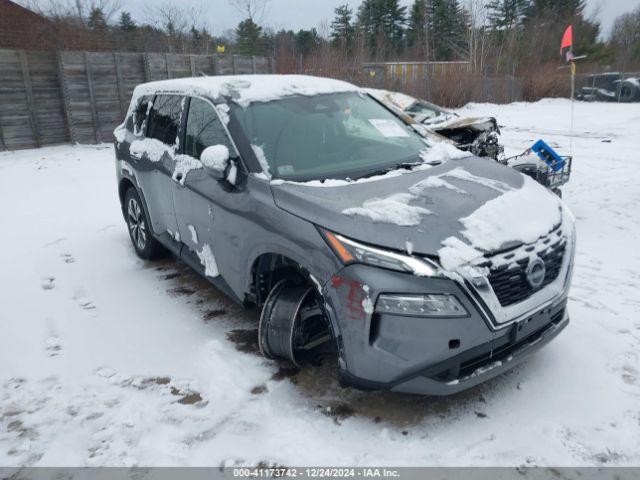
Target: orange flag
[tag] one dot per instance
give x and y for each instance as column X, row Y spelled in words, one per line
column 567, row 40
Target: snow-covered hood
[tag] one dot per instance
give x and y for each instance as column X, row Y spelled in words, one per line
column 457, row 210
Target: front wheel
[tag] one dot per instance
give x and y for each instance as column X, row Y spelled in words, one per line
column 145, row 245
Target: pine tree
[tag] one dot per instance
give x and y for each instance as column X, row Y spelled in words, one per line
column 507, row 14
column 248, row 35
column 556, row 9
column 417, row 33
column 97, row 20
column 306, row 41
column 342, row 29
column 126, row 23
column 447, row 22
column 382, row 22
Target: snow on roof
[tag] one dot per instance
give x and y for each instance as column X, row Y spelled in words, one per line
column 247, row 89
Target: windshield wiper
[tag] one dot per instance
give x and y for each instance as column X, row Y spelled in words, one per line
column 397, row 166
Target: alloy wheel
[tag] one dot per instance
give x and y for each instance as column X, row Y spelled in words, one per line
column 137, row 225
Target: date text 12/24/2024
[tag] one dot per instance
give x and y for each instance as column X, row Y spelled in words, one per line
column 313, row 472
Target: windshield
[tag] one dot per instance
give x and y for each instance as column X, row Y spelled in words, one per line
column 342, row 135
column 423, row 110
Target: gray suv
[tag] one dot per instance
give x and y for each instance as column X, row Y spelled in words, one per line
column 426, row 269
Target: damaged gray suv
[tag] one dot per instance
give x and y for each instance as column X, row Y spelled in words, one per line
column 426, row 269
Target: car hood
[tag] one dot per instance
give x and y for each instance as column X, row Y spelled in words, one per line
column 346, row 208
column 478, row 124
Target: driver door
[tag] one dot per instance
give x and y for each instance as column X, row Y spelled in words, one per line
column 204, row 206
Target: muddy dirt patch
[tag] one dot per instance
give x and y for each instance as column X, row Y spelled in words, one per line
column 245, row 340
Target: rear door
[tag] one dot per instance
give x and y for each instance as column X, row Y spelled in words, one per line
column 155, row 157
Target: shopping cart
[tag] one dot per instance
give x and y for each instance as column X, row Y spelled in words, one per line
column 544, row 165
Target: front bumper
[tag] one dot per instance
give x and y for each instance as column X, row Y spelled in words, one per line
column 436, row 356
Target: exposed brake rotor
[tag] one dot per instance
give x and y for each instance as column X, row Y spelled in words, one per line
column 292, row 323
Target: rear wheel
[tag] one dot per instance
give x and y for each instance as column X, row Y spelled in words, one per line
column 145, row 245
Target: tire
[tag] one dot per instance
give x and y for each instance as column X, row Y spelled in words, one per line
column 628, row 92
column 143, row 241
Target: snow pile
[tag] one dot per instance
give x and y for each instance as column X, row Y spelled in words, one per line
column 120, row 133
column 439, row 152
column 223, row 110
column 456, row 253
column 152, row 148
column 208, row 261
column 184, row 164
column 520, row 215
column 392, row 209
column 216, row 158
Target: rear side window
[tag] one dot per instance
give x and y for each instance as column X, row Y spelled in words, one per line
column 140, row 114
column 204, row 129
column 164, row 118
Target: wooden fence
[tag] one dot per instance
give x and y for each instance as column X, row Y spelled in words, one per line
column 49, row 98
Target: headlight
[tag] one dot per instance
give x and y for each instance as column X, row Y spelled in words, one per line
column 350, row 251
column 431, row 305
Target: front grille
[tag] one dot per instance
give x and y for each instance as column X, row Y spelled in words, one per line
column 509, row 280
column 504, row 351
column 500, row 349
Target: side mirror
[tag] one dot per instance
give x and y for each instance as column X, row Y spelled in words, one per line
column 216, row 160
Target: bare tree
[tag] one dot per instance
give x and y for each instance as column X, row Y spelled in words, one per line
column 177, row 21
column 478, row 41
column 74, row 9
column 255, row 10
column 626, row 36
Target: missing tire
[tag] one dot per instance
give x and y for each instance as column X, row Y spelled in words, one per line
column 293, row 324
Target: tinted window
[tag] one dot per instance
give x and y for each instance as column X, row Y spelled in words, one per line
column 204, row 129
column 164, row 118
column 140, row 114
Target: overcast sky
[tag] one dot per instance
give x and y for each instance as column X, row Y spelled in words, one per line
column 295, row 14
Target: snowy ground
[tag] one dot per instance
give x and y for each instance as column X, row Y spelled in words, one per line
column 109, row 360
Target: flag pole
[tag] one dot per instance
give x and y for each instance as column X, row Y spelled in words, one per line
column 567, row 42
column 573, row 89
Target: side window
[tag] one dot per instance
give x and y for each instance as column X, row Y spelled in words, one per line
column 164, row 118
column 204, row 129
column 140, row 114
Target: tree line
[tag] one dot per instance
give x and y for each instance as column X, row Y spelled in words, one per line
column 497, row 37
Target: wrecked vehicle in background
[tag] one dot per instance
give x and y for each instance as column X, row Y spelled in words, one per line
column 610, row 87
column 422, row 268
column 478, row 135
